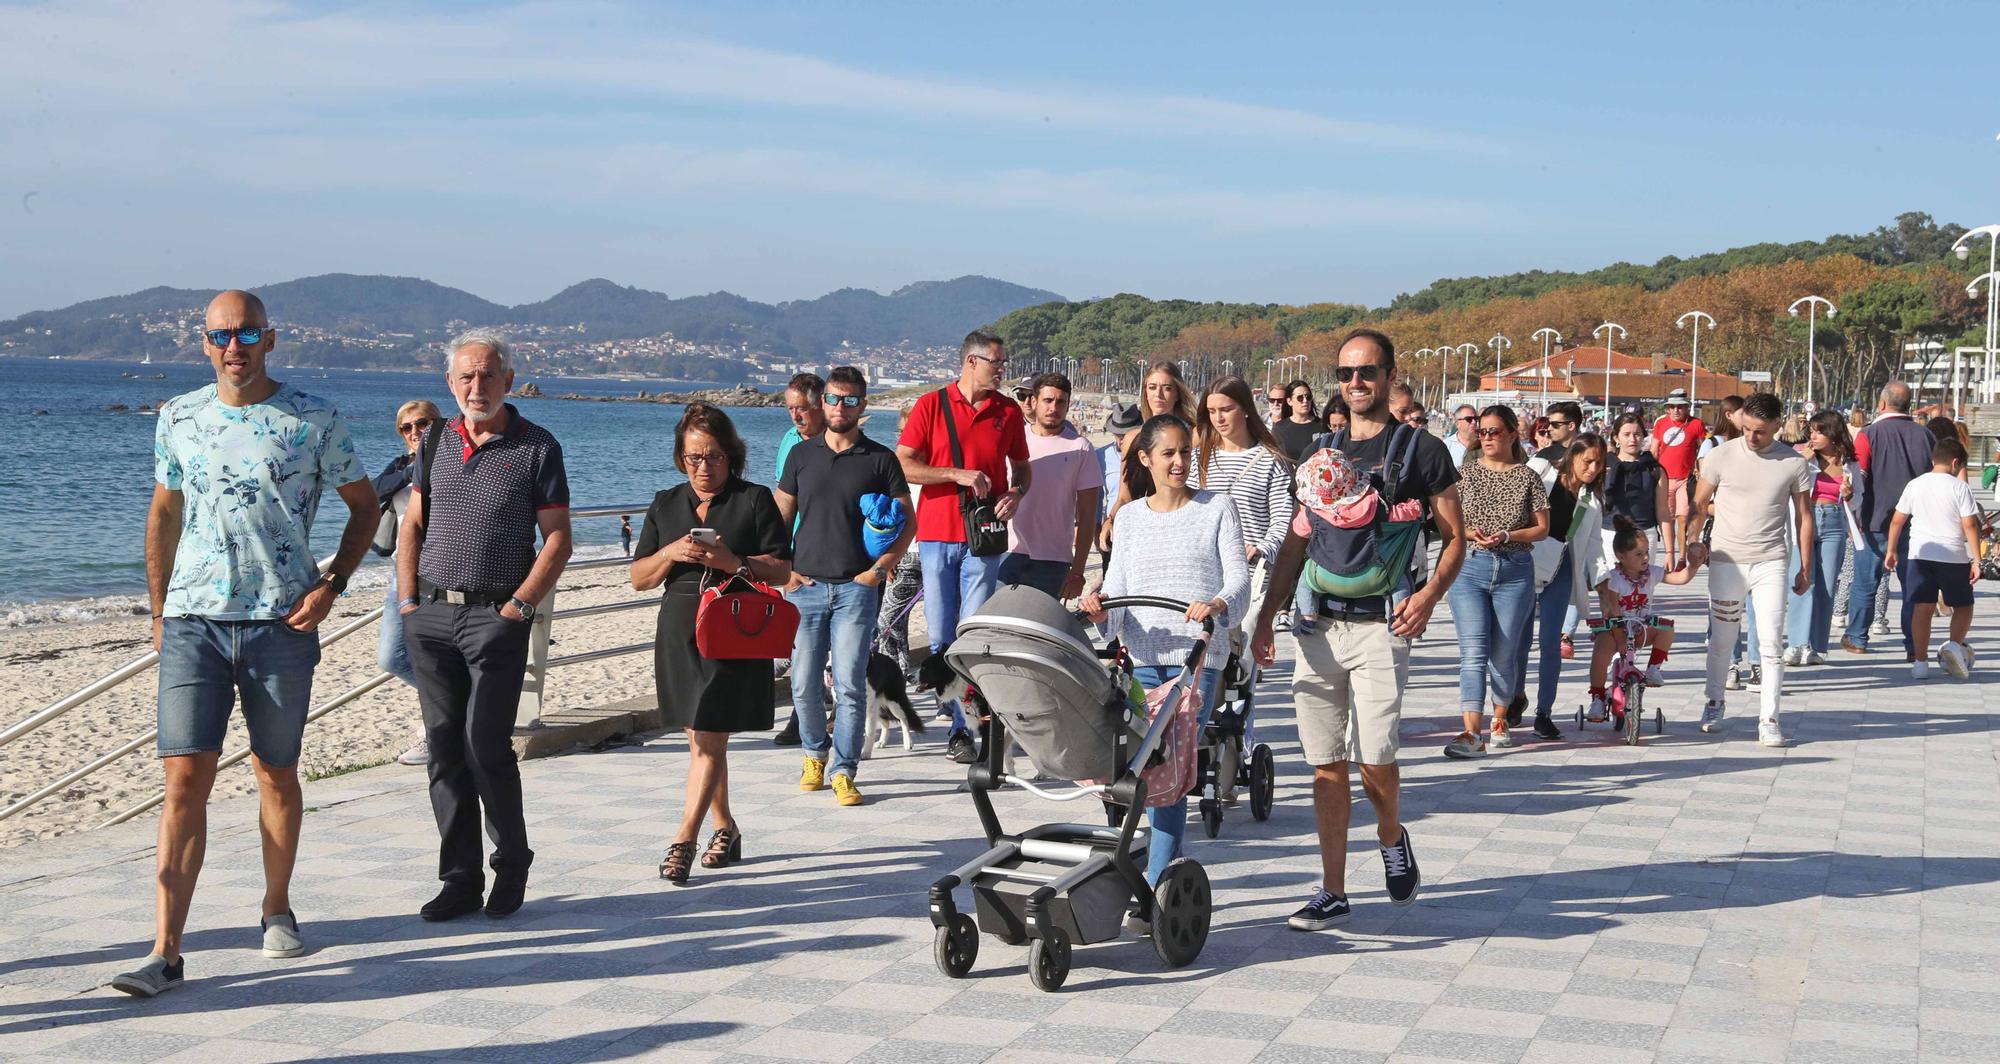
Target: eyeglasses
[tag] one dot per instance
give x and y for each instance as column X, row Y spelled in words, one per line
column 421, row 424
column 1489, row 433
column 705, row 459
column 1420, row 420
column 248, row 336
column 1465, row 418
column 1001, row 361
column 1343, row 374
column 849, row 401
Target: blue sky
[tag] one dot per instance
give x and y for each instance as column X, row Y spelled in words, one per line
column 1267, row 152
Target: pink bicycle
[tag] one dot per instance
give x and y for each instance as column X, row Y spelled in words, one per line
column 1625, row 685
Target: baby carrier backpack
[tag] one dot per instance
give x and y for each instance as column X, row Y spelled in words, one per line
column 1354, row 563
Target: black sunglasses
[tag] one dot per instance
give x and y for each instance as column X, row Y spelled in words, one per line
column 419, row 425
column 1343, row 374
column 248, row 336
column 831, row 399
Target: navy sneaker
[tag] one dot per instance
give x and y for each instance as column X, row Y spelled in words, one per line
column 961, row 748
column 1399, row 870
column 1324, row 910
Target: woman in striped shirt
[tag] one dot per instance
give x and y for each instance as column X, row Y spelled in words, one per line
column 1238, row 456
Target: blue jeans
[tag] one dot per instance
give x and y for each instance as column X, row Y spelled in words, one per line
column 1490, row 603
column 1554, row 610
column 392, row 655
column 1809, row 622
column 1868, row 575
column 955, row 583
column 1045, row 577
column 837, row 626
column 1169, row 822
column 205, row 666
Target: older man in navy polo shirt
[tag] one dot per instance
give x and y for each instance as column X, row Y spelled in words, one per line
column 470, row 578
column 836, row 584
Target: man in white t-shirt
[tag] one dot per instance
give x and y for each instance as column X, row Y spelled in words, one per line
column 1048, row 541
column 1943, row 521
column 1752, row 485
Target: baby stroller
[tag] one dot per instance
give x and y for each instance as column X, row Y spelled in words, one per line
column 1223, row 766
column 1033, row 668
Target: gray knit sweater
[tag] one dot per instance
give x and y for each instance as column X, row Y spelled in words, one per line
column 1193, row 554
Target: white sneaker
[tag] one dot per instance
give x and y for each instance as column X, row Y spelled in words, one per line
column 418, row 754
column 1735, row 680
column 1769, row 734
column 1920, row 669
column 1794, row 656
column 1595, row 714
column 1815, row 658
column 1653, row 677
column 1955, row 660
column 1881, row 628
column 1501, row 739
column 1711, row 716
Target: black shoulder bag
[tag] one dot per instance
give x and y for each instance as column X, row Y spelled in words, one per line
column 985, row 533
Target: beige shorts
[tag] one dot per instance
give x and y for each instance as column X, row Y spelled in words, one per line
column 1348, row 692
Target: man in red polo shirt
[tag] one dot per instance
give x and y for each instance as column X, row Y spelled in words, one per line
column 1676, row 440
column 992, row 438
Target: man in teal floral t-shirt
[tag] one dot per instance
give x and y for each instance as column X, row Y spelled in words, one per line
column 237, row 599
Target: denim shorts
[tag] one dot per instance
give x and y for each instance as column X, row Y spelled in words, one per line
column 205, row 665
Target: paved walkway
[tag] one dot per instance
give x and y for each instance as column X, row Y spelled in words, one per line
column 1697, row 898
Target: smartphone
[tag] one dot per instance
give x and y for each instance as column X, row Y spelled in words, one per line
column 707, row 537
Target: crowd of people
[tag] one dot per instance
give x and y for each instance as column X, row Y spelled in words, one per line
column 1348, row 523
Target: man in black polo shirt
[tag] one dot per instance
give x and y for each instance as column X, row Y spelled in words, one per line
column 469, row 579
column 836, row 585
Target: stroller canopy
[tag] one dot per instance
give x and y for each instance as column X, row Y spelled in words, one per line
column 1035, row 666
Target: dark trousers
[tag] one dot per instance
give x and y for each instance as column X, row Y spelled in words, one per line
column 469, row 662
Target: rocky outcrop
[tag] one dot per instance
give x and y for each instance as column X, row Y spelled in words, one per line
column 738, row 396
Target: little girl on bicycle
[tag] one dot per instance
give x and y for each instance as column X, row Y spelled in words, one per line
column 1626, row 593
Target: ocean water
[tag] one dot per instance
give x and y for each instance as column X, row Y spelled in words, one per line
column 74, row 483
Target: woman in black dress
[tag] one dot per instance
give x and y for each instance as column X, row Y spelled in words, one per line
column 711, row 699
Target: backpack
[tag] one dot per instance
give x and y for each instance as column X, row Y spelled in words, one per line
column 1354, row 563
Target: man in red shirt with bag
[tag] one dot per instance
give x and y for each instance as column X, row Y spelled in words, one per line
column 973, row 466
column 1676, row 441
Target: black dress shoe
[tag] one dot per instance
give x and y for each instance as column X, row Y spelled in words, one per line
column 789, row 734
column 1516, row 709
column 506, row 897
column 451, row 903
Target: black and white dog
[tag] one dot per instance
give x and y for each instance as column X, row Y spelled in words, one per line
column 888, row 704
column 935, row 676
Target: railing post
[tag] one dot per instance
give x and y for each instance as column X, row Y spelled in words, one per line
column 529, row 713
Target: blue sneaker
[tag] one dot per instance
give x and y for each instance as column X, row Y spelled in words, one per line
column 1324, row 910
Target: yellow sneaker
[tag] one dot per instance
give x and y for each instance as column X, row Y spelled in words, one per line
column 813, row 776
column 844, row 790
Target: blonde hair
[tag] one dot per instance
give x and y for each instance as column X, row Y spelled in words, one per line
column 421, row 406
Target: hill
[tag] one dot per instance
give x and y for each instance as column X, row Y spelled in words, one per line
column 350, row 319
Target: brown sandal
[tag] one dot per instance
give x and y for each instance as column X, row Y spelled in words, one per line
column 724, row 847
column 675, row 865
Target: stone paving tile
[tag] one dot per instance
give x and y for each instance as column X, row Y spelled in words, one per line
column 1696, row 899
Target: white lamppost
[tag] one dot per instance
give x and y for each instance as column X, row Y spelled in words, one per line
column 1607, row 332
column 1499, row 344
column 1423, row 352
column 1991, row 280
column 1812, row 305
column 1964, row 251
column 1549, row 337
column 1465, row 353
column 1694, row 375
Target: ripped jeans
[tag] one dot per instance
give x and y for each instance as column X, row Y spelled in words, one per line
column 1731, row 585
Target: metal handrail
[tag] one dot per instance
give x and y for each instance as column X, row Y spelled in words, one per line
column 138, row 665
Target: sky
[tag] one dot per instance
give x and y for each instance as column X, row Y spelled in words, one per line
column 1272, row 152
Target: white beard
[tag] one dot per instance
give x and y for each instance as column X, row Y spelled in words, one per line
column 474, row 419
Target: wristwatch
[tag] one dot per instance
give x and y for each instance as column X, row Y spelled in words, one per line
column 525, row 609
column 334, row 580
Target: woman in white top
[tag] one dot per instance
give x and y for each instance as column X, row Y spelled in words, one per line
column 1162, row 391
column 1179, row 543
column 1235, row 454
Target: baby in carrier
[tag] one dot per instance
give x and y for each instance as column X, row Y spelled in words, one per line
column 1334, row 490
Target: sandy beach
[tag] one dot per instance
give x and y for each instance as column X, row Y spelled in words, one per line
column 41, row 664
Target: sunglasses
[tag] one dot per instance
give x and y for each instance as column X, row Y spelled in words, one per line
column 849, row 401
column 421, row 424
column 248, row 336
column 1343, row 374
column 1489, row 433
column 1563, row 424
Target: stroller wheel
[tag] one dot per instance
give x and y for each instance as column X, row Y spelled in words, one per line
column 1182, row 905
column 1263, row 782
column 956, row 947
column 1048, row 960
column 1211, row 817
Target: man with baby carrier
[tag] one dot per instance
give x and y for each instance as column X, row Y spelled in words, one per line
column 1363, row 497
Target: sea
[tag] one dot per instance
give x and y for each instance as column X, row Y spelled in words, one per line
column 75, row 481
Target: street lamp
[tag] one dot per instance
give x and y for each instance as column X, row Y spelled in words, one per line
column 1962, row 249
column 1499, row 344
column 1607, row 332
column 1548, row 337
column 1812, row 305
column 1991, row 279
column 1465, row 353
column 1694, row 375
column 1420, row 353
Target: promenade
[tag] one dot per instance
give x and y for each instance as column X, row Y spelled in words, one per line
column 1697, row 898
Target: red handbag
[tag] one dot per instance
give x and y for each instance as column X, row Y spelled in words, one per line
column 743, row 619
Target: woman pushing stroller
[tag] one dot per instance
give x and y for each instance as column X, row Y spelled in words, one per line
column 1173, row 542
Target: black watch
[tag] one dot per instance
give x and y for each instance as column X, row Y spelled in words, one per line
column 525, row 609
column 335, row 581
